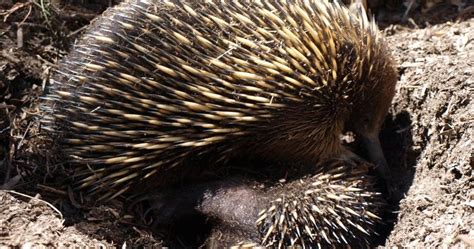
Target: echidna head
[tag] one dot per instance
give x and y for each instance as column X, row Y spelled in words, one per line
column 369, row 114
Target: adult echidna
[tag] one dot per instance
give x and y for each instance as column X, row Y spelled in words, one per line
column 154, row 85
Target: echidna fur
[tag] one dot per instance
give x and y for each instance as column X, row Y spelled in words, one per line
column 154, row 82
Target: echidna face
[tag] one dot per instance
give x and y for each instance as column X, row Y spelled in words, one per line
column 369, row 115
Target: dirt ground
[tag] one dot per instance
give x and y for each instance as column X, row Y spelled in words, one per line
column 433, row 110
column 427, row 137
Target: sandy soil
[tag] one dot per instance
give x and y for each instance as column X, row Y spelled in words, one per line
column 427, row 137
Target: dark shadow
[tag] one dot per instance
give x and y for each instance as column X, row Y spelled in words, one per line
column 396, row 138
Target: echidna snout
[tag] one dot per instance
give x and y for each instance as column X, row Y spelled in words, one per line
column 367, row 119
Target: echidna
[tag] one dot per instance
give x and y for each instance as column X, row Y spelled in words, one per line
column 154, row 85
column 335, row 206
column 155, row 82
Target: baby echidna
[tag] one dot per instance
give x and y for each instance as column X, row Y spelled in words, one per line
column 155, row 85
column 337, row 206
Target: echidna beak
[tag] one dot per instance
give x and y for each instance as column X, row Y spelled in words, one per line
column 372, row 144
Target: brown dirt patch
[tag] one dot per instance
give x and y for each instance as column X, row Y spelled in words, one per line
column 28, row 221
column 33, row 222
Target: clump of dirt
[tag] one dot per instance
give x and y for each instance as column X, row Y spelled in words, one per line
column 427, row 138
column 33, row 222
column 28, row 221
